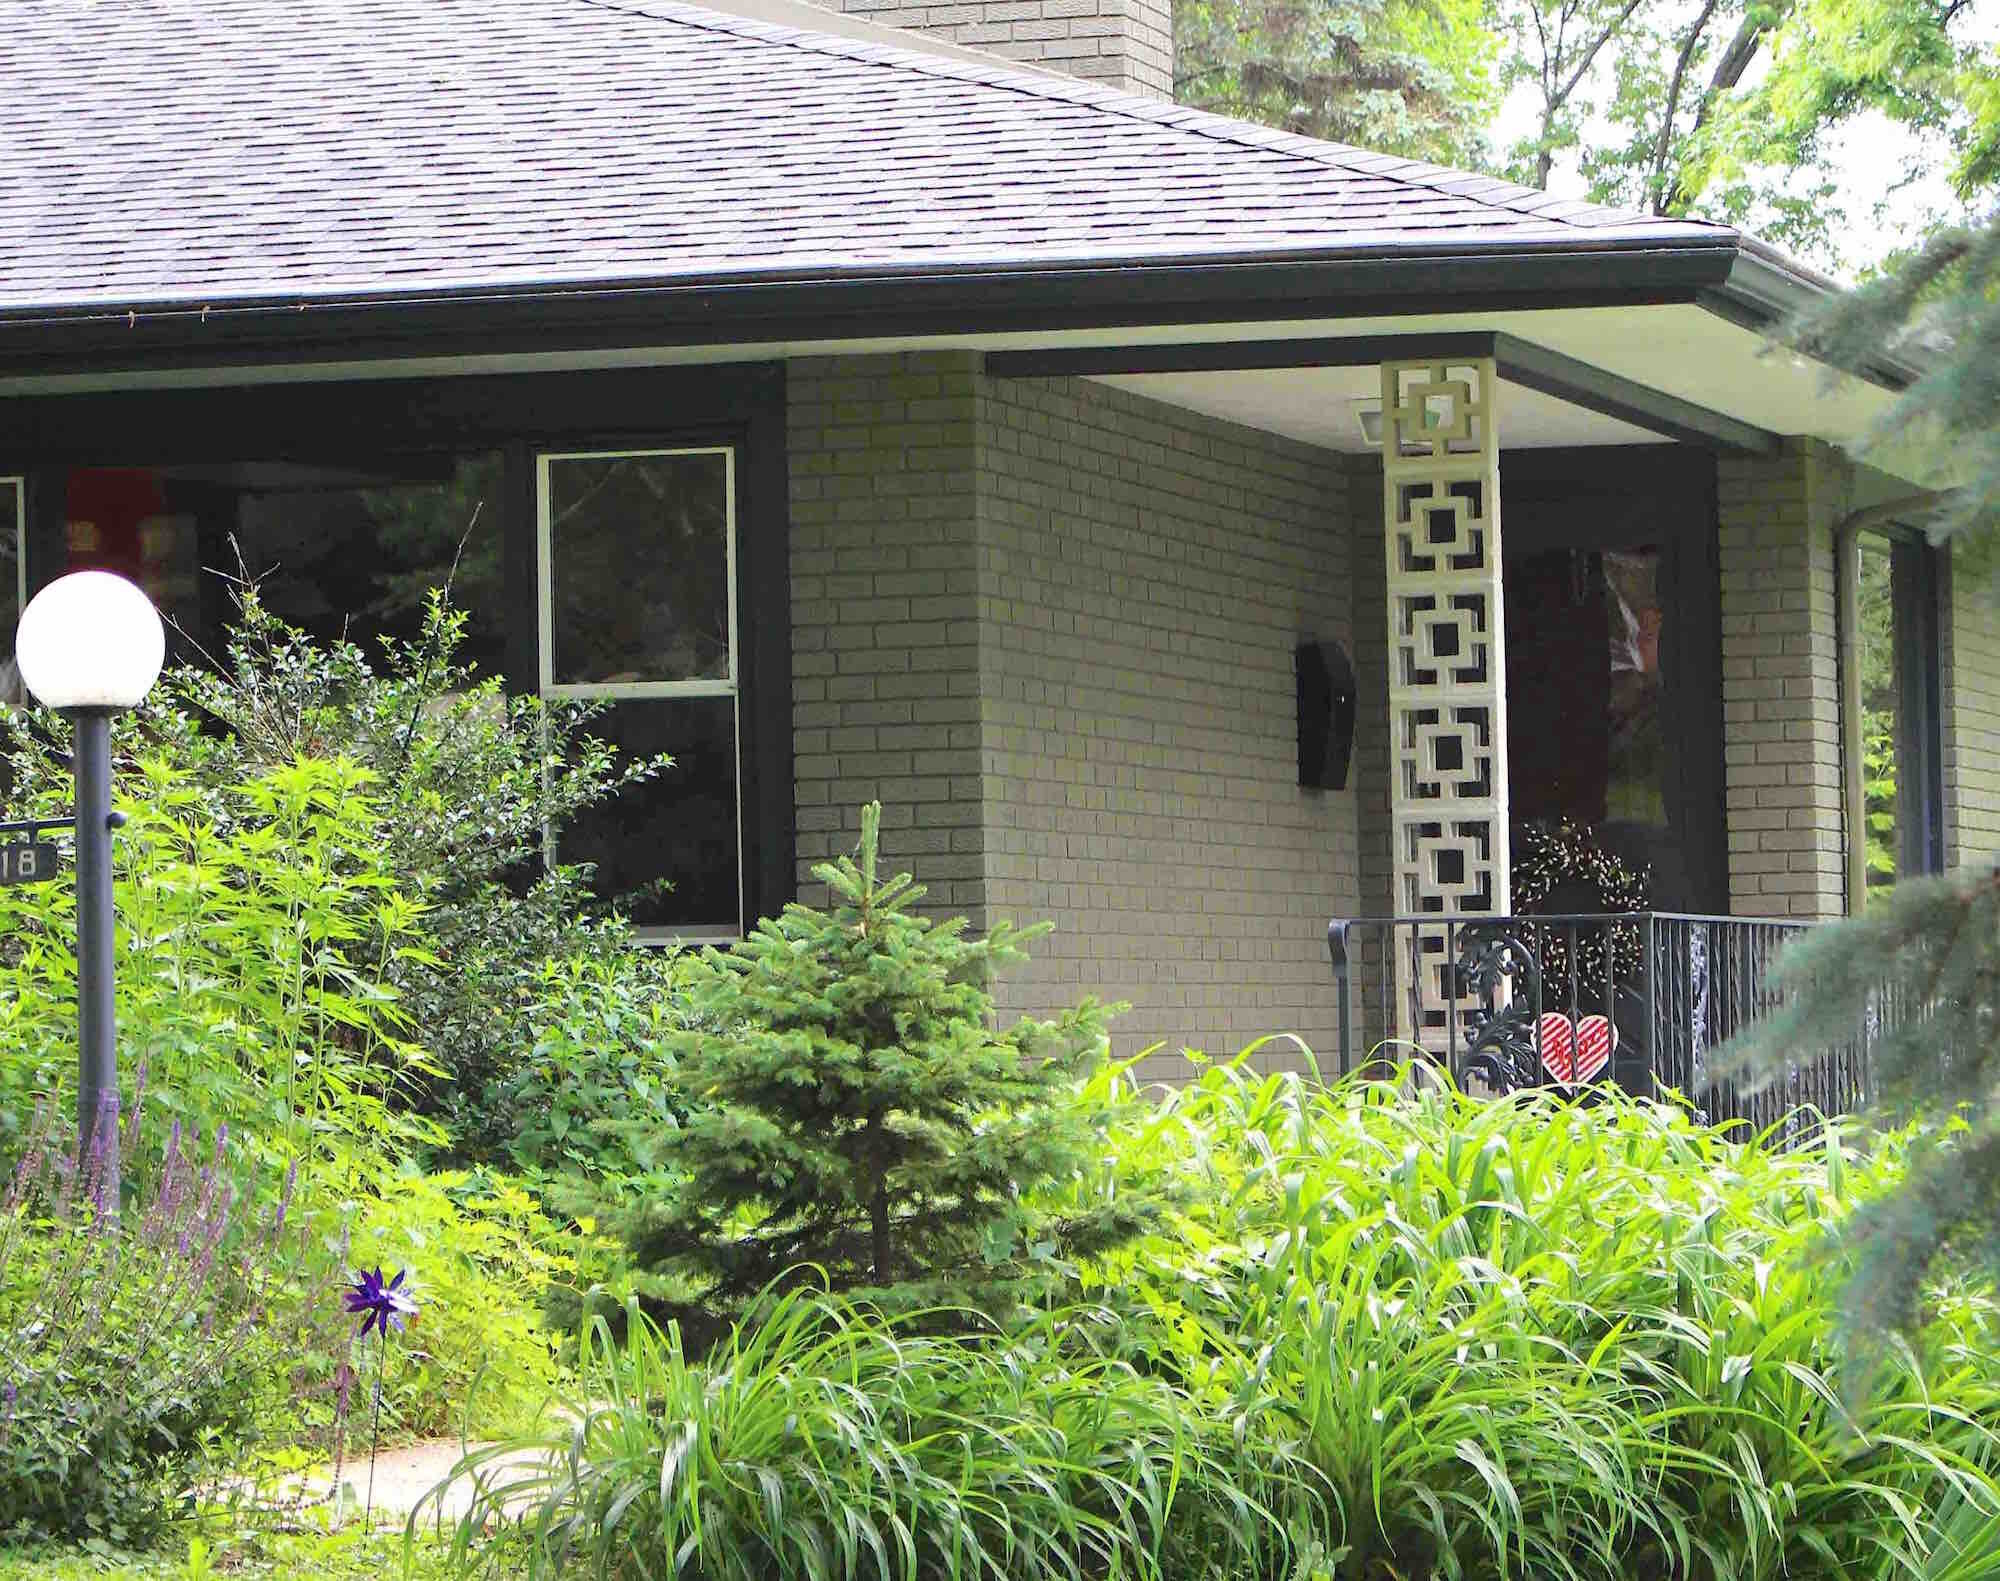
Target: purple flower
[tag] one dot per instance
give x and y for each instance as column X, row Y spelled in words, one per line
column 383, row 1306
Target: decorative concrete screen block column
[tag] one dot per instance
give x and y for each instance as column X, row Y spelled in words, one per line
column 1447, row 667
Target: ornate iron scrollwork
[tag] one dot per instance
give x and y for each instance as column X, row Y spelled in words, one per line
column 1502, row 977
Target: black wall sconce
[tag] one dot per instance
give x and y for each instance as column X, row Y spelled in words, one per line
column 1326, row 714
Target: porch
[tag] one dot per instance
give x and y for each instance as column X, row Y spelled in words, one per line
column 1053, row 608
column 1649, row 653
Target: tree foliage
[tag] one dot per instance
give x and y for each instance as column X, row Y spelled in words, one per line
column 1716, row 109
column 1917, row 62
column 1407, row 77
column 856, row 1110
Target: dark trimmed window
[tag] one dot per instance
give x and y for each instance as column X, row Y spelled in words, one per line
column 1893, row 726
column 636, row 607
column 642, row 568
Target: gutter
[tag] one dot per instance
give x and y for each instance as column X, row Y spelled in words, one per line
column 1765, row 288
column 847, row 302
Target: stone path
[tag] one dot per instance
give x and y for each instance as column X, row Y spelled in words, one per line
column 403, row 1478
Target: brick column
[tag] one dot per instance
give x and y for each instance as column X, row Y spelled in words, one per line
column 885, row 646
column 1780, row 681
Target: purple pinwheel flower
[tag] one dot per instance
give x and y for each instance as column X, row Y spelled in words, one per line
column 383, row 1306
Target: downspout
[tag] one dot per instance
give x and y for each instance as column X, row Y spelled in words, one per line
column 1847, row 619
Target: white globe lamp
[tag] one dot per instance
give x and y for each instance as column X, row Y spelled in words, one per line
column 91, row 645
column 90, row 640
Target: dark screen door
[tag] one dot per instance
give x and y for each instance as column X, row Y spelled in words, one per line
column 1614, row 709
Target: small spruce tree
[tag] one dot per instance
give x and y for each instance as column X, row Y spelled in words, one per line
column 858, row 1114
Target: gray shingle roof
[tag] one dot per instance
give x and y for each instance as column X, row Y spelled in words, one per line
column 208, row 151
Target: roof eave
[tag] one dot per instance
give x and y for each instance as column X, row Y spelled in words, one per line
column 996, row 296
column 1766, row 288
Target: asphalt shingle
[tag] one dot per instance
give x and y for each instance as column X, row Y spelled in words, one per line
column 161, row 151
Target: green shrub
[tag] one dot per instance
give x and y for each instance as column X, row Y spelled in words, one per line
column 591, row 1093
column 468, row 782
column 850, row 1106
column 130, row 1344
column 1389, row 1333
column 257, row 927
column 831, row 1440
column 403, row 860
column 477, row 1359
column 256, row 922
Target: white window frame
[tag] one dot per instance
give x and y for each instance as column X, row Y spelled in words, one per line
column 545, row 586
column 20, row 529
column 647, row 691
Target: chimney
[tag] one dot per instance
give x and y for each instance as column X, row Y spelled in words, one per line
column 1124, row 44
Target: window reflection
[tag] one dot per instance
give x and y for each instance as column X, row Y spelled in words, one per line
column 1586, row 702
column 638, row 605
column 1636, row 752
column 347, row 551
column 638, row 556
column 666, row 848
column 1882, row 722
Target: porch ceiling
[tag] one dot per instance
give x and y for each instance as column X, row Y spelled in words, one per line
column 1319, row 406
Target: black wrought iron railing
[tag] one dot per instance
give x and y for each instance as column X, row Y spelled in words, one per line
column 1642, row 999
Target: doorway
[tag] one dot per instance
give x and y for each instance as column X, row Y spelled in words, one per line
column 1613, row 612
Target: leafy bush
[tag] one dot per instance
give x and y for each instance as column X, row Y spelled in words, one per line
column 468, row 781
column 592, row 1090
column 854, row 1109
column 132, row 1342
column 477, row 1358
column 255, row 924
column 1525, row 1336
column 405, row 853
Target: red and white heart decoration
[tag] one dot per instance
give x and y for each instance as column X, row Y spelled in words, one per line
column 1575, row 1052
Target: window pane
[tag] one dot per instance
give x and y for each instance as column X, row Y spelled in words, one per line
column 1635, row 782
column 680, row 828
column 638, row 554
column 1584, row 687
column 336, row 550
column 361, row 552
column 1881, row 711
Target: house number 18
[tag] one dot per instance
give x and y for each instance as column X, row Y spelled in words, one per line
column 29, row 861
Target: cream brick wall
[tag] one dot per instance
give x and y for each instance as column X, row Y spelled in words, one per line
column 1124, row 44
column 1050, row 626
column 1971, row 705
column 1780, row 685
column 1145, row 574
column 885, row 651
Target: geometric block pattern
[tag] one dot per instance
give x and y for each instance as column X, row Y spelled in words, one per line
column 1447, row 669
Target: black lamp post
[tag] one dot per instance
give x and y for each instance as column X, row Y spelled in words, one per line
column 91, row 645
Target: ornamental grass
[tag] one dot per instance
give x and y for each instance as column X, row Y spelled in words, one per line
column 1391, row 1333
